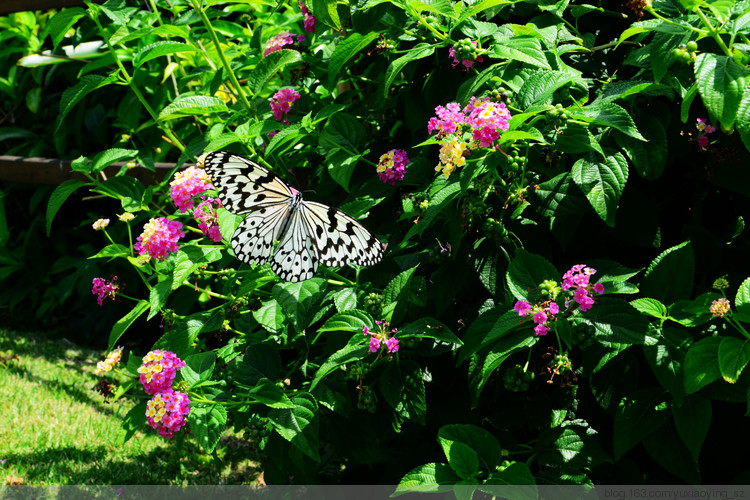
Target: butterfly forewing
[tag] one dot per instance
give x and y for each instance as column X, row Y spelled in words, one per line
column 244, row 185
column 339, row 238
column 307, row 233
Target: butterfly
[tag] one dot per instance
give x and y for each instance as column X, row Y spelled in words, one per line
column 294, row 235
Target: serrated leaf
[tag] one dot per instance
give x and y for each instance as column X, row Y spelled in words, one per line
column 300, row 300
column 650, row 307
column 734, row 354
column 112, row 251
column 669, row 277
column 429, row 328
column 326, row 11
column 485, row 444
column 348, row 321
column 158, row 297
column 602, row 182
column 269, row 394
column 198, row 367
column 207, row 423
column 612, row 115
column 299, row 425
column 527, row 271
column 692, row 420
column 742, row 299
column 345, row 299
column 721, row 84
column 638, row 415
column 58, row 197
column 192, row 105
column 270, row 315
column 159, row 49
column 576, row 138
column 618, row 322
column 402, row 386
column 354, row 351
column 269, row 66
column 539, row 86
column 86, row 85
column 106, row 158
column 525, row 49
column 417, row 52
column 701, row 365
column 345, row 50
column 427, row 478
column 62, row 21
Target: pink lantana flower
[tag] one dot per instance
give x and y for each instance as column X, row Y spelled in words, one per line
column 159, row 238
column 188, row 184
column 392, row 166
column 166, row 412
column 158, row 371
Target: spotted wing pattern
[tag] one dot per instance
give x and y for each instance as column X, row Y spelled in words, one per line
column 307, row 233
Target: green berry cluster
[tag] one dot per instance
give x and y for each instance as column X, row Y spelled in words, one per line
column 516, row 379
column 583, row 335
column 686, row 53
column 494, row 229
column 257, row 429
column 465, row 50
column 517, row 163
column 558, row 113
column 720, row 283
column 505, row 464
column 373, row 303
column 550, row 289
column 367, row 400
column 501, row 94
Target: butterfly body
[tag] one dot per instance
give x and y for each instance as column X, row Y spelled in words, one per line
column 281, row 228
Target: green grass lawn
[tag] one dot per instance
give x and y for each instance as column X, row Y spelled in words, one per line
column 55, row 429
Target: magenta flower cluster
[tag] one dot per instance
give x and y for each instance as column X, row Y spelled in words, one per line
column 158, row 371
column 167, row 409
column 205, row 214
column 188, row 184
column 278, row 42
column 159, row 238
column 104, row 289
column 382, row 337
column 577, row 279
column 576, row 282
column 546, row 312
column 281, row 103
column 392, row 166
column 166, row 412
column 309, row 19
column 704, row 128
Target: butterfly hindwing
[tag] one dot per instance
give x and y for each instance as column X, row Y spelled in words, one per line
column 294, row 235
column 243, row 185
column 339, row 238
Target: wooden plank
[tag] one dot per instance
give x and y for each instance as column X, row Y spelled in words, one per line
column 50, row 171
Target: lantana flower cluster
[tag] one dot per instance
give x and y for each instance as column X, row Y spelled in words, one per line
column 704, row 128
column 278, row 42
column 720, row 307
column 392, row 166
column 281, row 103
column 575, row 283
column 384, row 336
column 159, row 238
column 167, row 410
column 104, row 289
column 207, row 217
column 186, row 185
column 309, row 19
column 478, row 124
column 112, row 360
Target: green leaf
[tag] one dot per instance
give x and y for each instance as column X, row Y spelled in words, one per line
column 573, row 446
column 198, row 367
column 158, row 297
column 670, row 276
column 61, row 22
column 129, row 190
column 539, row 85
column 354, row 351
column 345, row 299
column 270, row 315
column 602, row 183
column 86, row 85
column 269, row 394
column 326, row 12
column 192, row 105
column 112, row 251
column 526, row 49
column 300, row 301
column 481, row 7
column 734, row 354
column 58, row 197
column 638, row 415
column 426, row 478
column 527, row 271
column 648, row 158
column 124, row 323
column 692, row 419
column 429, row 328
column 299, row 425
column 666, row 358
column 489, row 327
column 650, row 307
column 610, row 114
column 402, row 387
column 352, row 321
column 461, row 458
column 341, row 166
column 484, row 444
column 721, row 83
column 481, row 368
column 394, row 290
column 344, row 131
column 618, row 322
column 108, row 157
column 701, row 366
column 667, row 449
column 159, row 49
column 134, row 421
column 742, row 299
column 269, row 66
column 577, row 138
column 419, row 51
column 207, row 423
column 345, row 50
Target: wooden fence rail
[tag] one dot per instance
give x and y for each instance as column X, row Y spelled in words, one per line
column 50, row 171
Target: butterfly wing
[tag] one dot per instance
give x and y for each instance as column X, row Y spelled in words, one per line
column 339, row 239
column 295, row 258
column 254, row 238
column 243, row 185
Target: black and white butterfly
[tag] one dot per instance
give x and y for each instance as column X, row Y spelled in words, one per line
column 308, row 233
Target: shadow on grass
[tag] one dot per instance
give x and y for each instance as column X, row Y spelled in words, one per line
column 163, row 465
